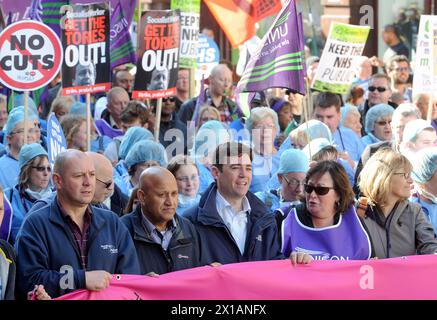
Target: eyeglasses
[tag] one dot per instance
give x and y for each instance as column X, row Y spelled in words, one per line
column 170, row 99
column 41, row 168
column 186, row 179
column 407, row 175
column 321, row 191
column 403, row 69
column 293, row 182
column 264, row 127
column 107, row 184
column 31, row 130
column 383, row 123
column 380, row 89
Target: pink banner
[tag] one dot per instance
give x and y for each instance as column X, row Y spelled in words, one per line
column 398, row 278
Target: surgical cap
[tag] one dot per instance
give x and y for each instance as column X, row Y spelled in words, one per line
column 210, row 135
column 345, row 110
column 79, row 109
column 424, row 165
column 316, row 129
column 144, row 151
column 132, row 136
column 15, row 117
column 413, row 128
column 29, row 152
column 293, row 160
column 376, row 112
column 19, row 101
column 316, row 145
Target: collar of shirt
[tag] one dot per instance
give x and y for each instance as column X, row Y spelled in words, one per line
column 210, row 101
column 112, row 122
column 87, row 216
column 153, row 231
column 224, row 206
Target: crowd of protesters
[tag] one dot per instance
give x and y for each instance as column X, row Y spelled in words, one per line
column 357, row 180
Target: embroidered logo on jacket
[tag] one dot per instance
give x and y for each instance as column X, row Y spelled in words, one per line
column 111, row 248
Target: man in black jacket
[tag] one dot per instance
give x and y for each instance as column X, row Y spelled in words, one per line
column 107, row 195
column 164, row 241
column 233, row 224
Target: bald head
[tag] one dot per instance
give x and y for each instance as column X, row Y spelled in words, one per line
column 74, row 178
column 220, row 81
column 104, row 180
column 158, row 195
column 101, row 163
column 65, row 158
column 156, row 175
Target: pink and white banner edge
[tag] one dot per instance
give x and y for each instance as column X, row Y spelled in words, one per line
column 411, row 278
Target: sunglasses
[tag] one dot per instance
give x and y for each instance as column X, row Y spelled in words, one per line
column 171, row 99
column 321, row 191
column 41, row 169
column 383, row 123
column 380, row 89
column 107, row 184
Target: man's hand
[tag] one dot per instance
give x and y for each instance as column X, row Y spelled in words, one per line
column 215, row 264
column 376, row 62
column 300, row 258
column 97, row 280
column 38, row 293
column 153, row 275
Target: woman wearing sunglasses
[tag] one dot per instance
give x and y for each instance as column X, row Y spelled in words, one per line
column 33, row 184
column 326, row 227
column 378, row 124
column 396, row 226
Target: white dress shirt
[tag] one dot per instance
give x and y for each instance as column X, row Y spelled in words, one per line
column 235, row 221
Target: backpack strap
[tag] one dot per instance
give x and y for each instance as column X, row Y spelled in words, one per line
column 362, row 206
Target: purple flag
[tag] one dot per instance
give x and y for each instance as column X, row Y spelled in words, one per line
column 35, row 11
column 51, row 15
column 122, row 50
column 278, row 62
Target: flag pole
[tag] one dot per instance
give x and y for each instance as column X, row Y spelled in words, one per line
column 157, row 119
column 26, row 115
column 307, row 103
column 88, row 121
column 192, row 82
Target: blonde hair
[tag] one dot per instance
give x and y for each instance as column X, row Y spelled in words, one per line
column 70, row 125
column 376, row 177
column 62, row 102
column 207, row 108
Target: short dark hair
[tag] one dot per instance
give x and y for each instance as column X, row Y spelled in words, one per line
column 341, row 182
column 326, row 100
column 397, row 58
column 134, row 110
column 227, row 150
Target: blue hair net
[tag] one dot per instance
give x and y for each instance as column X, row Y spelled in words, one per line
column 30, row 151
column 316, row 145
column 146, row 150
column 133, row 135
column 424, row 165
column 413, row 128
column 293, row 160
column 210, row 135
column 345, row 110
column 79, row 109
column 376, row 112
column 316, row 129
column 15, row 117
column 19, row 101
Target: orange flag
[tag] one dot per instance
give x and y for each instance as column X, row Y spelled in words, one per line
column 237, row 18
